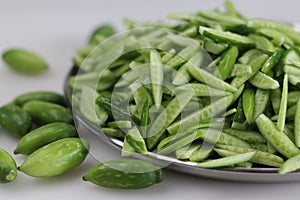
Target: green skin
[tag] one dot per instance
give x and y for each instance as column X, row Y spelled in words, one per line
column 145, row 119
column 137, row 143
column 8, row 168
column 260, row 157
column 249, row 136
column 47, row 96
column 24, row 61
column 46, row 113
column 135, row 140
column 156, row 72
column 227, row 161
column 283, row 28
column 55, row 158
column 226, row 64
column 43, row 136
column 290, row 165
column 275, row 137
column 227, row 37
column 125, row 174
column 262, row 43
column 272, row 61
column 15, row 120
column 113, row 132
column 248, row 101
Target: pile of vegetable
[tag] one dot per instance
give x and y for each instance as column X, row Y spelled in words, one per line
column 218, row 89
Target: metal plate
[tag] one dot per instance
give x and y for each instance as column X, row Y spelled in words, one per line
column 237, row 174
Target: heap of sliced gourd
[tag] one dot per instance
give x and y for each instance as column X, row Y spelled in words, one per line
column 218, row 89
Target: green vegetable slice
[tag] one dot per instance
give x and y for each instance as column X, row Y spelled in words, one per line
column 277, row 138
column 214, row 47
column 156, row 73
column 207, row 78
column 227, row 161
column 227, row 63
column 272, row 61
column 241, row 70
column 297, row 124
column 283, row 28
column 263, row 81
column 283, row 105
column 248, row 100
column 260, row 157
column 262, row 43
column 262, row 98
column 290, row 165
column 135, row 140
column 227, row 37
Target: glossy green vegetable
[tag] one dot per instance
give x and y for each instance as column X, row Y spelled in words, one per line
column 43, row 136
column 24, row 61
column 278, row 38
column 263, row 81
column 55, row 158
column 290, row 165
column 263, row 158
column 246, row 135
column 44, row 113
column 277, row 138
column 207, row 78
column 156, row 74
column 182, row 56
column 120, row 124
column 297, row 124
column 201, row 90
column 215, row 16
column 216, row 136
column 145, row 119
column 262, row 43
column 8, row 168
column 215, row 48
column 227, row 161
column 125, row 174
column 15, row 120
column 283, row 104
column 226, row 64
column 47, row 96
column 113, row 132
column 202, row 114
column 262, row 98
column 248, row 101
column 135, row 140
column 228, row 37
column 182, row 76
column 239, row 118
column 272, row 61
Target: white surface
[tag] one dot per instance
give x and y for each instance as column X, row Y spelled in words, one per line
column 55, row 29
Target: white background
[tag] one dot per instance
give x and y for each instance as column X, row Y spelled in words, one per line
column 55, row 29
